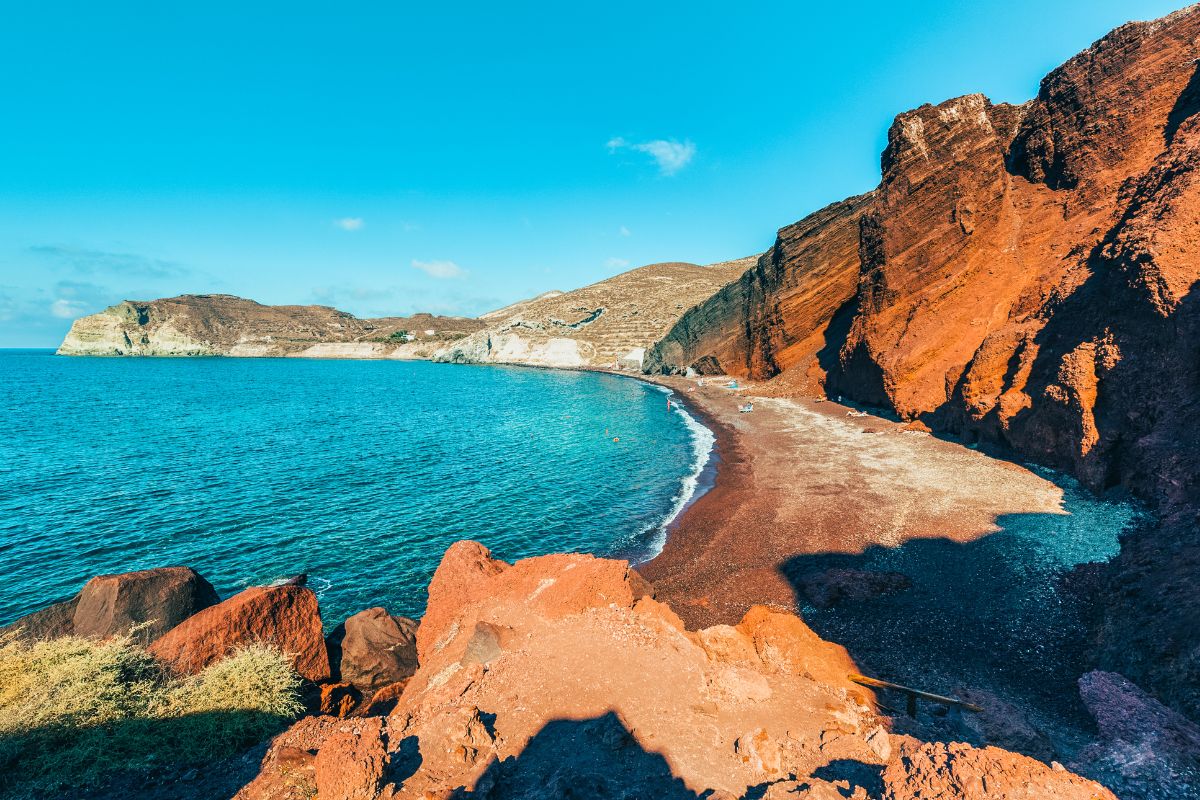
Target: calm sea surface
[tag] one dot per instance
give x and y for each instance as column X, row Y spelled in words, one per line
column 359, row 473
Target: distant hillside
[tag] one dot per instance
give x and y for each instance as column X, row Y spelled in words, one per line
column 224, row 325
column 600, row 325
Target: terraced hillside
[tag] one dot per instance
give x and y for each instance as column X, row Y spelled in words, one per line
column 607, row 324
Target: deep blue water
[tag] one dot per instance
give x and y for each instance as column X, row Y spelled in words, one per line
column 359, row 473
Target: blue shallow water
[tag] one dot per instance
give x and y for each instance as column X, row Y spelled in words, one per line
column 359, row 473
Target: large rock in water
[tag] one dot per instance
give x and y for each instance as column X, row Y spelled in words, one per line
column 283, row 616
column 150, row 601
column 373, row 649
column 560, row 676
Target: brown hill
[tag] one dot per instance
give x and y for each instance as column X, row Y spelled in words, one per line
column 219, row 324
column 600, row 325
column 1025, row 274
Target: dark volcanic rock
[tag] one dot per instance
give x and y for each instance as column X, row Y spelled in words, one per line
column 283, row 616
column 373, row 649
column 51, row 622
column 156, row 599
column 1145, row 749
column 1004, row 725
column 151, row 601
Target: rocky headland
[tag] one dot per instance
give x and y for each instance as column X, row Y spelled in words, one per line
column 223, row 325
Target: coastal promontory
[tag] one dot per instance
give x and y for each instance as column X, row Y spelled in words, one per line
column 224, row 325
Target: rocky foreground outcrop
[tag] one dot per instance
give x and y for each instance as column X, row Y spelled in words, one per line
column 607, row 324
column 223, row 325
column 1024, row 274
column 561, row 676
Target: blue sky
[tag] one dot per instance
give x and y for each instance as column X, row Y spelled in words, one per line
column 388, row 157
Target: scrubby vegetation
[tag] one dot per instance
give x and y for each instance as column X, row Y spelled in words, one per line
column 74, row 711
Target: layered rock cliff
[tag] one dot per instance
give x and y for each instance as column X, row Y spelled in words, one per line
column 1024, row 274
column 607, row 324
column 223, row 325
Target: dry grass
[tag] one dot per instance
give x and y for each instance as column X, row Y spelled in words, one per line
column 75, row 711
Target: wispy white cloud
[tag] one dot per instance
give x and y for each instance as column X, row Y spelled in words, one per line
column 349, row 223
column 625, row 231
column 68, row 309
column 439, row 269
column 616, row 263
column 104, row 262
column 671, row 155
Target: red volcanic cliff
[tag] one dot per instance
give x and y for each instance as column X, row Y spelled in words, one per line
column 1023, row 274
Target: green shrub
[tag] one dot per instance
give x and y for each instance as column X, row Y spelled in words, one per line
column 75, row 711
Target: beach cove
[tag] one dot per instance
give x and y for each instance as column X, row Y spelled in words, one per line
column 935, row 564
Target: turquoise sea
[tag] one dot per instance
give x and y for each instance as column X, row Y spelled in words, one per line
column 359, row 473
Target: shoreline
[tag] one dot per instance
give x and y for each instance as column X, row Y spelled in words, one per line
column 693, row 485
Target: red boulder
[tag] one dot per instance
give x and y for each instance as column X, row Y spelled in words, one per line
column 283, row 616
column 373, row 649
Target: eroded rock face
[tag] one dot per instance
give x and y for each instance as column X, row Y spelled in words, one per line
column 561, row 676
column 223, row 325
column 149, row 601
column 284, row 616
column 1023, row 274
column 776, row 317
column 351, row 761
column 373, row 649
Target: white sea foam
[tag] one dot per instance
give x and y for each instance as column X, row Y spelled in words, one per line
column 703, row 442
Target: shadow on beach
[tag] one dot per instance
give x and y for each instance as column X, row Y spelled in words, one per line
column 994, row 613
